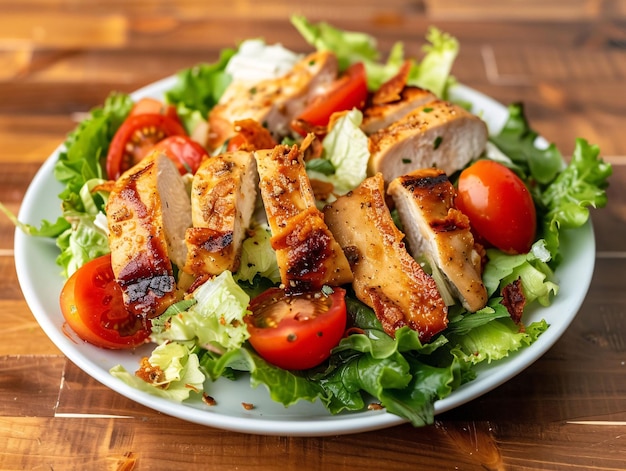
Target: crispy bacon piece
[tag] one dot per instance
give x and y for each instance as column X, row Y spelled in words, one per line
column 148, row 211
column 223, row 197
column 440, row 232
column 308, row 255
column 386, row 277
column 513, row 300
column 254, row 135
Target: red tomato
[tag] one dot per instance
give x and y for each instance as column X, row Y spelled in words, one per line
column 136, row 137
column 186, row 153
column 499, row 206
column 92, row 304
column 296, row 332
column 347, row 92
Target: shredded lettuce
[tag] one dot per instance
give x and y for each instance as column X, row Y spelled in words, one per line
column 214, row 322
column 258, row 258
column 177, row 369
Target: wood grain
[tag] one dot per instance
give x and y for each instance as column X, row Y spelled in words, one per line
column 565, row 59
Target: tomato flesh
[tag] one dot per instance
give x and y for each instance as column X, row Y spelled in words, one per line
column 186, row 153
column 136, row 137
column 93, row 307
column 347, row 92
column 296, row 332
column 500, row 208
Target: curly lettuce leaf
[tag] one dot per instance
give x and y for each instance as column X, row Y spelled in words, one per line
column 179, row 373
column 258, row 258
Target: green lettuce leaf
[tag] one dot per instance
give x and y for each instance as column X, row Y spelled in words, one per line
column 494, row 340
column 346, row 149
column 215, row 322
column 198, row 89
column 258, row 258
column 179, row 369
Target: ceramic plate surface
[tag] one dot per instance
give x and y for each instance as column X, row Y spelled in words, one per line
column 41, row 284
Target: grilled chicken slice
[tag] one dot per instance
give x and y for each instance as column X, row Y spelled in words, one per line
column 223, row 197
column 379, row 116
column 308, row 255
column 386, row 277
column 147, row 213
column 272, row 102
column 437, row 230
column 437, row 134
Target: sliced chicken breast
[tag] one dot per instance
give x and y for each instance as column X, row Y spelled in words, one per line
column 308, row 255
column 272, row 102
column 380, row 116
column 386, row 277
column 437, row 230
column 223, row 197
column 147, row 213
column 437, row 134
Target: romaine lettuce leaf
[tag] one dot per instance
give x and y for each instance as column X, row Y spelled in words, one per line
column 258, row 258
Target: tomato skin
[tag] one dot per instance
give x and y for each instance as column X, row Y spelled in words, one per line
column 347, row 92
column 500, row 208
column 297, row 341
column 186, row 153
column 131, row 133
column 154, row 106
column 92, row 305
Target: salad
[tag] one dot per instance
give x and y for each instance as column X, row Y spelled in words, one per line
column 213, row 331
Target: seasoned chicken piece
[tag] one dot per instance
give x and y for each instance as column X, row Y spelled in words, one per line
column 437, row 134
column 379, row 116
column 223, row 197
column 386, row 277
column 147, row 212
column 272, row 102
column 307, row 254
column 436, row 229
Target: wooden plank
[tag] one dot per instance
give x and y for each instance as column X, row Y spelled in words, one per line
column 29, row 385
column 21, row 333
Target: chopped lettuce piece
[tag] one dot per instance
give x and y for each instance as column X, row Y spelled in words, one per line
column 215, row 322
column 433, row 72
column 258, row 257
column 175, row 370
column 346, row 148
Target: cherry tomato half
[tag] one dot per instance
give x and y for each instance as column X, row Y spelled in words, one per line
column 93, row 307
column 296, row 332
column 154, row 106
column 499, row 206
column 347, row 92
column 136, row 137
column 186, row 153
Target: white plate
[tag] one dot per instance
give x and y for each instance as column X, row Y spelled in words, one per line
column 41, row 283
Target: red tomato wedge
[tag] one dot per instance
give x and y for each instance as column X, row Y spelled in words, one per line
column 136, row 137
column 91, row 302
column 154, row 106
column 347, row 92
column 296, row 332
column 186, row 153
column 500, row 208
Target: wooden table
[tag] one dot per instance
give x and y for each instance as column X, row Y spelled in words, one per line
column 565, row 59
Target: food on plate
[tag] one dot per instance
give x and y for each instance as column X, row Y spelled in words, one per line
column 148, row 211
column 386, row 277
column 441, row 233
column 223, row 198
column 436, row 134
column 358, row 159
column 307, row 253
column 275, row 102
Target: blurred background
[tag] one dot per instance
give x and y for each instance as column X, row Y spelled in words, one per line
column 513, row 49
